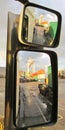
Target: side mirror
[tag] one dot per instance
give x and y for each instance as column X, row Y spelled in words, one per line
column 39, row 26
column 35, row 90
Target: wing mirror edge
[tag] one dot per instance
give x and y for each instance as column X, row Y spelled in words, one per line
column 53, row 57
column 20, row 29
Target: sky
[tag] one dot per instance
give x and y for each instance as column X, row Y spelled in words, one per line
column 16, row 7
column 40, row 60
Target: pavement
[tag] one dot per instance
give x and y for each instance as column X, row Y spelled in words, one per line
column 60, row 125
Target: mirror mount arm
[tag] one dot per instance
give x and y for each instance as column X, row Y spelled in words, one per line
column 23, row 1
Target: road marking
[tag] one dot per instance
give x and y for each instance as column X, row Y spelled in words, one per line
column 62, row 108
column 44, row 118
column 60, row 117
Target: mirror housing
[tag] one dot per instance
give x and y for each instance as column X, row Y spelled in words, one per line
column 26, row 95
column 39, row 26
column 13, row 47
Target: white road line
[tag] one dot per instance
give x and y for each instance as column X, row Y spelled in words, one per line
column 62, row 108
column 60, row 117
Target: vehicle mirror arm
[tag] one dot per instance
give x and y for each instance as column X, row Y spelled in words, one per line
column 23, row 1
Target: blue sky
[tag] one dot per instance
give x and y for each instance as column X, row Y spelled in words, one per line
column 15, row 7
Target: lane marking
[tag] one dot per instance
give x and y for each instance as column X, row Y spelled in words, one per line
column 62, row 108
column 60, row 117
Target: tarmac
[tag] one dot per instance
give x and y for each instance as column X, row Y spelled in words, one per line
column 60, row 125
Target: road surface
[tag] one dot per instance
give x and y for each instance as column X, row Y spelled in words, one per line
column 33, row 107
column 61, row 106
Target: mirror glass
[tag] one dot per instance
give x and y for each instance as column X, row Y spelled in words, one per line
column 39, row 26
column 34, row 88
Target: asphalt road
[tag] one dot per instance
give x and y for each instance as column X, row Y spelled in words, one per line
column 2, row 96
column 33, row 107
column 60, row 125
column 61, row 106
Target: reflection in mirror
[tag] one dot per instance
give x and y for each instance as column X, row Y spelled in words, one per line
column 39, row 26
column 34, row 88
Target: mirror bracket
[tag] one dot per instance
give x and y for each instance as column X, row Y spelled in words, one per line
column 23, row 1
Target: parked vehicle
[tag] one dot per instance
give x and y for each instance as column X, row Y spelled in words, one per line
column 46, row 91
